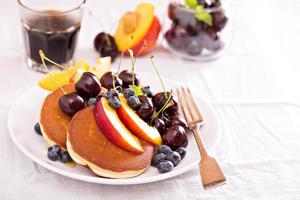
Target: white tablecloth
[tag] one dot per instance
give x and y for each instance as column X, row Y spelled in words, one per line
column 254, row 87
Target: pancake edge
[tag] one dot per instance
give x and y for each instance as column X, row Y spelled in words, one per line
column 47, row 139
column 100, row 171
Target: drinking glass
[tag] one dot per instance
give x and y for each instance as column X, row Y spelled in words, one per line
column 52, row 26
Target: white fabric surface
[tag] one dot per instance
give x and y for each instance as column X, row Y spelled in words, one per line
column 254, row 88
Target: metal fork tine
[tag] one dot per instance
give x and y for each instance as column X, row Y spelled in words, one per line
column 190, row 105
column 184, row 106
column 196, row 106
column 180, row 111
column 181, row 102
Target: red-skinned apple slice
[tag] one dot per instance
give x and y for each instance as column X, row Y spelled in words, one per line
column 149, row 39
column 111, row 126
column 136, row 125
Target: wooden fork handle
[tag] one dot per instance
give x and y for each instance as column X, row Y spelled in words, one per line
column 210, row 172
column 200, row 144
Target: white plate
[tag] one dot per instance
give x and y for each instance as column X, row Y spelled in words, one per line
column 25, row 113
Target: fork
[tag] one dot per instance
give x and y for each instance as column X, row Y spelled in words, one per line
column 210, row 171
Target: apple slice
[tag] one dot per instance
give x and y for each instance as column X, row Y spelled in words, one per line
column 111, row 126
column 136, row 125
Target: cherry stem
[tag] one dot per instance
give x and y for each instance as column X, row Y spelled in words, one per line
column 43, row 58
column 162, row 83
column 140, row 51
column 52, row 62
column 122, row 55
column 119, row 87
column 113, row 81
column 99, row 22
column 120, row 62
column 165, row 106
column 133, row 59
column 132, row 63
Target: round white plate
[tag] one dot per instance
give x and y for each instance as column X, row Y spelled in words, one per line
column 25, row 113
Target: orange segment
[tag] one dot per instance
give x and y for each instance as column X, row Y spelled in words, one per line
column 54, row 79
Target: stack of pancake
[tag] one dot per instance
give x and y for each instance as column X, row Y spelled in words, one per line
column 86, row 144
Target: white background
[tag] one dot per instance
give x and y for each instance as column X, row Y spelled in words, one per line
column 254, row 87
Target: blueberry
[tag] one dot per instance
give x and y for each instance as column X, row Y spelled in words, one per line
column 112, row 93
column 164, row 149
column 165, row 166
column 54, row 152
column 147, row 91
column 114, row 102
column 134, row 102
column 181, row 151
column 92, row 101
column 37, row 129
column 158, row 158
column 128, row 92
column 65, row 157
column 174, row 157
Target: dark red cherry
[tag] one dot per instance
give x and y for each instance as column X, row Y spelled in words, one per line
column 159, row 124
column 211, row 32
column 192, row 31
column 172, row 109
column 215, row 3
column 167, row 120
column 88, row 85
column 211, row 40
column 175, row 137
column 126, row 77
column 194, row 47
column 178, row 120
column 171, row 9
column 145, row 110
column 71, row 103
column 177, row 37
column 107, row 81
column 203, row 3
column 181, row 16
column 159, row 100
column 105, row 45
column 219, row 20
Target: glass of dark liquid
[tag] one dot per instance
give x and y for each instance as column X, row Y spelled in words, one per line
column 52, row 26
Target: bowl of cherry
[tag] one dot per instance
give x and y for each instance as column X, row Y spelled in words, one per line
column 194, row 29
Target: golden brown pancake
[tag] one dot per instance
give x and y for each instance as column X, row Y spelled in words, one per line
column 88, row 146
column 53, row 121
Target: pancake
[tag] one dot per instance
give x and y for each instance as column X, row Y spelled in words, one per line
column 88, row 146
column 53, row 121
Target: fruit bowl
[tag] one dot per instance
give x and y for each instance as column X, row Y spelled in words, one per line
column 196, row 32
